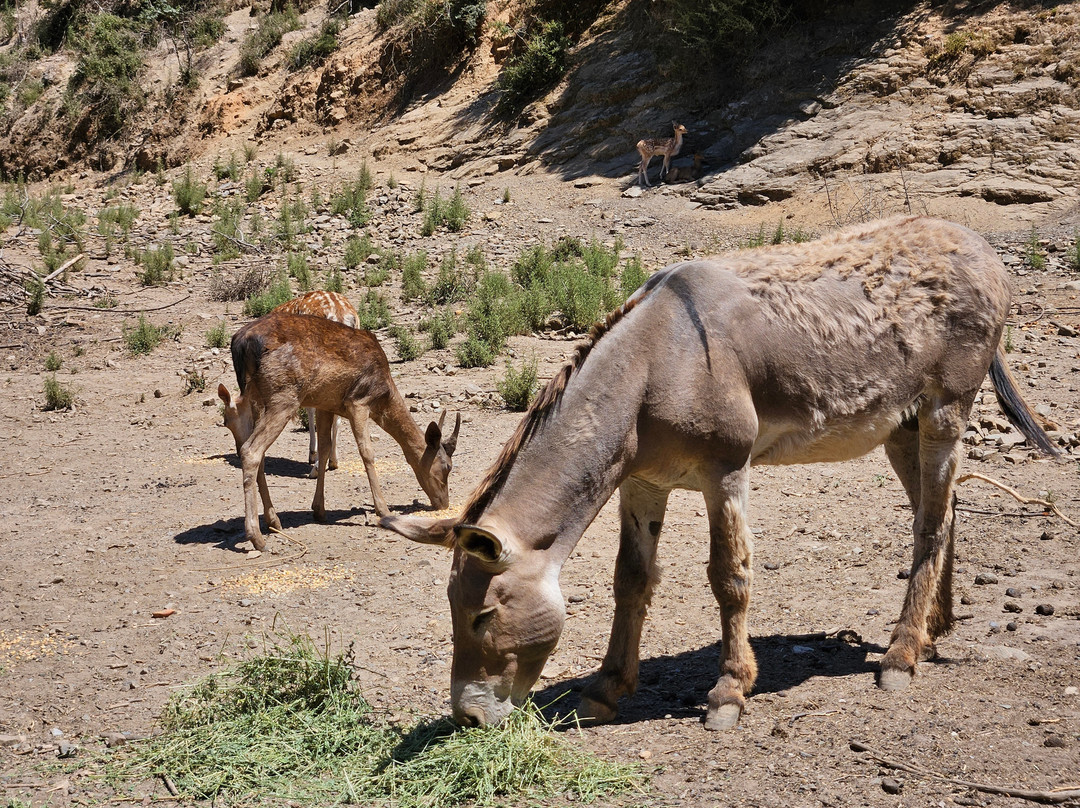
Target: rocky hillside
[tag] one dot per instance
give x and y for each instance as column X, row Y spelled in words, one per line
column 872, row 107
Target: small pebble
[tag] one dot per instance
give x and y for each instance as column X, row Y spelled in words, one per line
column 1012, row 592
column 67, row 750
column 984, row 578
column 644, row 754
column 891, row 786
column 966, row 600
column 772, row 565
column 1011, row 606
column 1044, row 609
column 1055, row 742
column 1048, row 535
column 576, row 598
column 903, row 574
column 1011, row 626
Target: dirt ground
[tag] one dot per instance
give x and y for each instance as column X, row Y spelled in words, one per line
column 131, row 504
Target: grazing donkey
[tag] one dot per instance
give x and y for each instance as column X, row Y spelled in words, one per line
column 798, row 353
column 332, row 306
column 659, row 147
column 286, row 361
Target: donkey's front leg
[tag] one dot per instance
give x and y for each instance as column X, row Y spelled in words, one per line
column 731, row 552
column 641, row 513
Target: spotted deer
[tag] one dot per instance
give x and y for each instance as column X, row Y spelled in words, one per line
column 667, row 148
column 877, row 335
column 285, row 361
column 332, row 306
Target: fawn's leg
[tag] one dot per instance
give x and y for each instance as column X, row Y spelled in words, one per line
column 641, row 515
column 313, row 447
column 358, row 419
column 325, row 424
column 927, row 611
column 731, row 551
column 252, row 454
column 332, row 463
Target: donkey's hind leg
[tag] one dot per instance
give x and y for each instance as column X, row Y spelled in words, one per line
column 641, row 515
column 927, row 612
column 731, row 551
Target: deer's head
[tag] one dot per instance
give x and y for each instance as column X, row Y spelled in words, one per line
column 238, row 416
column 434, row 469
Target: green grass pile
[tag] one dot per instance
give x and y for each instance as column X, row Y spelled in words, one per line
column 291, row 724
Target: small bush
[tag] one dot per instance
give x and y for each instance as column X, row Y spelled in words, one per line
column 107, row 70
column 351, row 202
column 255, row 186
column 475, row 353
column 264, row 302
column 189, row 193
column 225, row 232
column 413, row 286
column 1033, row 255
column 451, row 214
column 334, row 281
column 57, row 396
column 297, row 264
column 633, row 275
column 518, row 387
column 373, row 312
column 35, row 300
column 408, row 346
column 451, row 284
column 315, row 49
column 53, row 362
column 250, row 281
column 1073, row 253
column 218, row 336
column 227, row 171
column 194, row 381
column 145, row 336
column 267, row 36
column 157, row 265
column 536, row 69
column 357, row 249
column 440, row 328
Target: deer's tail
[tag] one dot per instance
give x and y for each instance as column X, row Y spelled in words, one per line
column 1016, row 409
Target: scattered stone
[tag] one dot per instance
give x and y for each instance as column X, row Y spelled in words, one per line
column 644, row 754
column 891, row 786
column 576, row 599
column 984, row 578
column 1072, row 690
column 1055, row 742
column 903, row 575
column 1012, row 592
column 1011, row 626
column 1013, row 606
column 1048, row 535
column 1045, row 609
column 772, row 565
column 966, row 600
column 633, row 192
column 68, row 750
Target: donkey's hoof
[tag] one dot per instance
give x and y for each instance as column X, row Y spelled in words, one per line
column 726, row 716
column 592, row 711
column 894, row 679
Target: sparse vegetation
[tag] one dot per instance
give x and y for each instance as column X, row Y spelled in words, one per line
column 189, row 193
column 194, row 381
column 218, row 336
column 351, row 200
column 1033, row 254
column 451, row 214
column 145, row 336
column 250, row 281
column 413, row 286
column 357, row 249
column 53, row 362
column 314, row 49
column 405, row 342
column 157, row 265
column 278, row 292
column 373, row 312
column 537, row 67
column 518, row 387
column 57, row 396
column 35, row 299
column 267, row 36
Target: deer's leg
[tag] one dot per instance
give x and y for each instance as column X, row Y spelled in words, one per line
column 325, row 423
column 641, row 515
column 643, row 171
column 664, row 168
column 313, row 447
column 731, row 552
column 927, row 611
column 252, row 454
column 332, row 463
column 358, row 419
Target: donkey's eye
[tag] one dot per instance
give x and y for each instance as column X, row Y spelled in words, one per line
column 482, row 619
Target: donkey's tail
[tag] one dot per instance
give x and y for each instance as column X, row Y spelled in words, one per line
column 1016, row 409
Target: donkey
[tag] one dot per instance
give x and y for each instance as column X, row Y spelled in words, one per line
column 332, row 306
column 285, row 361
column 797, row 353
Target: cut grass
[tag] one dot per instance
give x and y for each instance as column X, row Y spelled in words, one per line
column 291, row 724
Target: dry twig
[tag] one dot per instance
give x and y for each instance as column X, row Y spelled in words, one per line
column 1055, row 795
column 1050, row 506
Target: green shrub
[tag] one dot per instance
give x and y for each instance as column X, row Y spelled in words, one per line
column 106, row 72
column 351, row 202
column 440, row 328
column 118, row 219
column 57, row 396
column 189, row 193
column 451, row 214
column 259, row 43
column 292, row 219
column 157, row 265
column 475, row 353
column 518, row 387
column 633, row 275
column 315, row 49
column 1073, row 254
column 1033, row 255
column 225, row 232
column 357, row 249
column 408, row 346
column 721, row 32
column 264, row 302
column 53, row 362
column 413, row 286
column 218, row 336
column 494, row 313
column 334, row 281
column 194, row 381
column 373, row 312
column 146, row 336
column 230, row 170
column 297, row 266
column 451, row 284
column 534, row 70
column 255, row 186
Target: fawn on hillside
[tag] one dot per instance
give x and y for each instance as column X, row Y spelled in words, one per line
column 667, row 148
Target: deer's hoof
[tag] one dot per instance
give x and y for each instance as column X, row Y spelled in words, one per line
column 258, row 541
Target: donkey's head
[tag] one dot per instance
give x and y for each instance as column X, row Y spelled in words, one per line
column 433, row 470
column 238, row 416
column 507, row 611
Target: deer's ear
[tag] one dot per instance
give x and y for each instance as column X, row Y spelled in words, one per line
column 422, row 529
column 223, row 394
column 450, row 444
column 483, row 544
column 433, row 435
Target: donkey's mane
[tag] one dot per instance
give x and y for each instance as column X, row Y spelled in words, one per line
column 541, row 408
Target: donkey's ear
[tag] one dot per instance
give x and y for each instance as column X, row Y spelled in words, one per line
column 223, row 394
column 422, row 529
column 483, row 544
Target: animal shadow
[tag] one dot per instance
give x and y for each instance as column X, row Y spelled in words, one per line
column 677, row 685
column 225, row 534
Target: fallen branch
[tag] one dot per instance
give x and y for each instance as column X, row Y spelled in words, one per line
column 1056, row 795
column 1050, row 506
column 63, row 267
column 117, row 311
